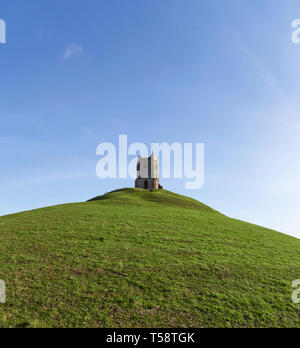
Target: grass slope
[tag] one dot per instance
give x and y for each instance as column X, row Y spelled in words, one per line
column 134, row 258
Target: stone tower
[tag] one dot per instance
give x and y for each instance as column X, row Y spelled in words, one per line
column 148, row 173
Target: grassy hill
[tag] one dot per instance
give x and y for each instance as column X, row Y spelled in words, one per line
column 134, row 258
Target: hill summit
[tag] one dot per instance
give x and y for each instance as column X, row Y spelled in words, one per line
column 134, row 258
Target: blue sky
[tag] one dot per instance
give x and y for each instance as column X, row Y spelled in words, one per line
column 74, row 74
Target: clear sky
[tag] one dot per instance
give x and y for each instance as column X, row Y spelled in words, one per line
column 74, row 74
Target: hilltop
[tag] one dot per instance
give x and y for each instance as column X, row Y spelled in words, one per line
column 134, row 258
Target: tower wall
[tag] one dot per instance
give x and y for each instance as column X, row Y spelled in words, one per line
column 147, row 173
column 148, row 184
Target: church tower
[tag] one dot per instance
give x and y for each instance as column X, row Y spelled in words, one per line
column 148, row 173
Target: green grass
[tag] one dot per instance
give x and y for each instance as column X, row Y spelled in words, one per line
column 134, row 258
